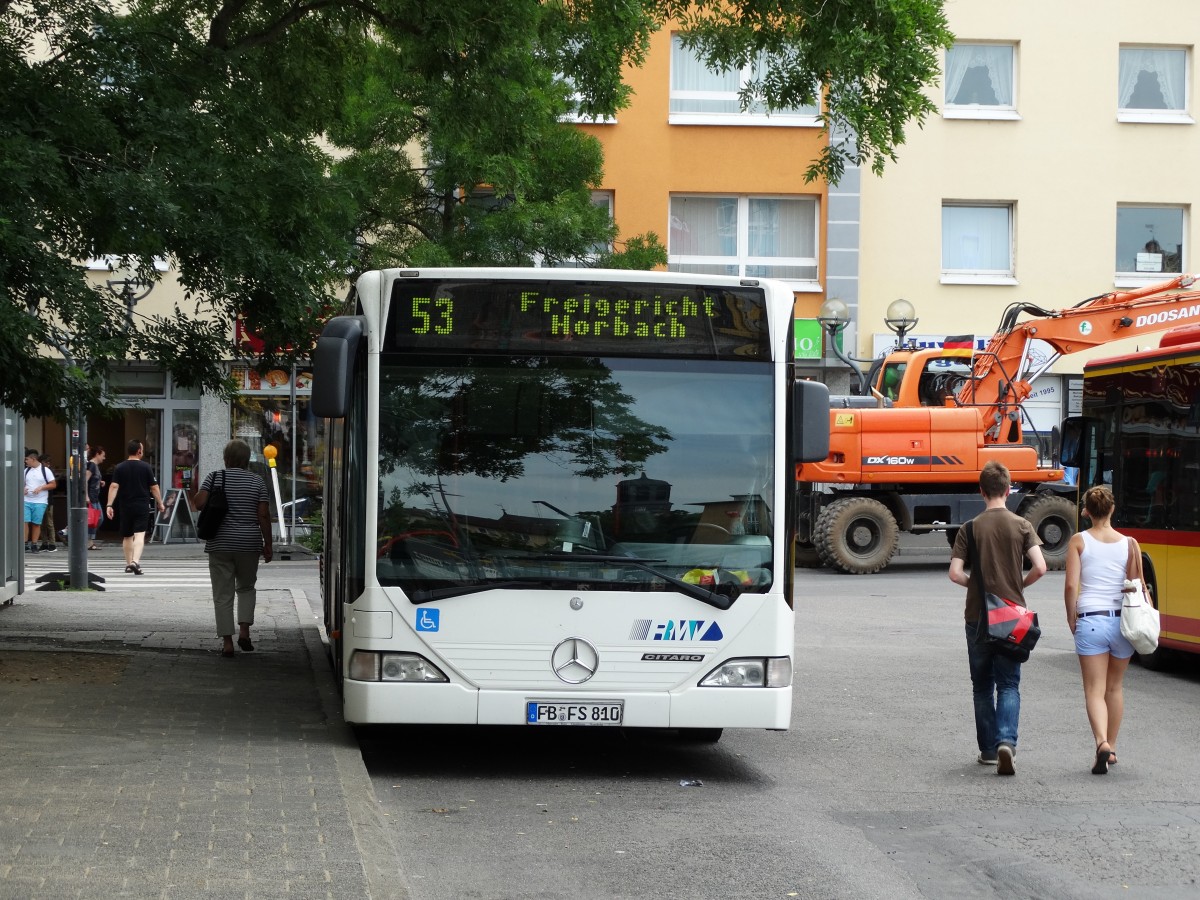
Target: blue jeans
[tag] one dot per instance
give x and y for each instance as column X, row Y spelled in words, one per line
column 996, row 685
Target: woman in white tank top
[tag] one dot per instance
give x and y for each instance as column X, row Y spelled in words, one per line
column 1096, row 564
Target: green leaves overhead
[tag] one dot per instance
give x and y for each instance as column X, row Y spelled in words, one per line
column 269, row 150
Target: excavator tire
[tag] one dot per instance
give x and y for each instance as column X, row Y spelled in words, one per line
column 856, row 535
column 1053, row 519
column 807, row 556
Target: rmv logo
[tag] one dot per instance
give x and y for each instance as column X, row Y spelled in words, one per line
column 687, row 630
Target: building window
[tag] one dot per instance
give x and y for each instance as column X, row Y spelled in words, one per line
column 1149, row 243
column 767, row 237
column 602, row 200
column 977, row 243
column 979, row 81
column 702, row 96
column 1153, row 85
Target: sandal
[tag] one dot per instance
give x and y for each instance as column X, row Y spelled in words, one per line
column 244, row 643
column 1102, row 758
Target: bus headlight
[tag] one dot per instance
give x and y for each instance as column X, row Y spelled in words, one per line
column 771, row 671
column 367, row 665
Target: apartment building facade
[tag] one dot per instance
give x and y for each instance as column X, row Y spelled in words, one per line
column 722, row 188
column 1056, row 170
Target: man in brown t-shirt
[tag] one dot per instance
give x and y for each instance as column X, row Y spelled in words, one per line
column 1002, row 541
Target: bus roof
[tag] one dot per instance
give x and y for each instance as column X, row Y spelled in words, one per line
column 1179, row 344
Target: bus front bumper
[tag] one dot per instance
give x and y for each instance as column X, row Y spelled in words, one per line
column 371, row 703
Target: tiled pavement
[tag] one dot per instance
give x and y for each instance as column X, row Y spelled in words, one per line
column 139, row 763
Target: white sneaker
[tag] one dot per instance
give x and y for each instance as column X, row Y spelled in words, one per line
column 1004, row 760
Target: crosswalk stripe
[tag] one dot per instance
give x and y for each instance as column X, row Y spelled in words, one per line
column 157, row 574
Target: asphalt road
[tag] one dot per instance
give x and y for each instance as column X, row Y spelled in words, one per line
column 874, row 792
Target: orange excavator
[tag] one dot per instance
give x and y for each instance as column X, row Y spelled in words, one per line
column 908, row 458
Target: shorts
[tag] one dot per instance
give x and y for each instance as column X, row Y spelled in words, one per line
column 1101, row 634
column 35, row 512
column 133, row 519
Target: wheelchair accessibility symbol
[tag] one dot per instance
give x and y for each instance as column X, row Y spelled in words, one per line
column 429, row 619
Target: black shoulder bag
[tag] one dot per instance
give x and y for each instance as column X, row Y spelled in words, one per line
column 1005, row 626
column 213, row 513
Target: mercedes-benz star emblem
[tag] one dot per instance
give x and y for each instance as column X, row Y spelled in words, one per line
column 574, row 660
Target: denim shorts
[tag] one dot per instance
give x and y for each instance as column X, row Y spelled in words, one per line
column 1101, row 634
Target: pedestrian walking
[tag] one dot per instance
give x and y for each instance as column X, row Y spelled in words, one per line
column 1096, row 564
column 244, row 534
column 1003, row 540
column 49, row 532
column 39, row 482
column 133, row 486
column 95, row 482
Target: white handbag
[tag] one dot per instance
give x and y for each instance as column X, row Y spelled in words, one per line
column 1139, row 618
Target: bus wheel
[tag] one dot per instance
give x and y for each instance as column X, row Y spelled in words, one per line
column 807, row 556
column 1053, row 520
column 856, row 535
column 1158, row 660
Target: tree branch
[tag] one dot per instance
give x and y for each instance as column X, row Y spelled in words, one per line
column 223, row 22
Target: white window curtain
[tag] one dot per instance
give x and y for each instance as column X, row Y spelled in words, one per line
column 704, row 226
column 691, row 79
column 1166, row 66
column 769, row 237
column 695, row 88
column 976, row 239
column 781, row 228
column 997, row 59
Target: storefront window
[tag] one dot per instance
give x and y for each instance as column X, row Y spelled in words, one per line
column 268, row 411
column 185, row 449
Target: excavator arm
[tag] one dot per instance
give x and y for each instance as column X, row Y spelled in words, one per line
column 1003, row 372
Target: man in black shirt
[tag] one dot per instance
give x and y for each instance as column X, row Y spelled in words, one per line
column 134, row 483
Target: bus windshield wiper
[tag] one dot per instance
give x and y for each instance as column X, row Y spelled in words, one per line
column 722, row 600
column 427, row 595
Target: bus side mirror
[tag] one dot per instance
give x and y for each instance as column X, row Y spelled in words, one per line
column 333, row 365
column 810, row 421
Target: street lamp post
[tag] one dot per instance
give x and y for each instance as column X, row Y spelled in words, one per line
column 130, row 290
column 834, row 316
column 901, row 317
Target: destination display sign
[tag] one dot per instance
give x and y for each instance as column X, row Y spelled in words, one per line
column 578, row 318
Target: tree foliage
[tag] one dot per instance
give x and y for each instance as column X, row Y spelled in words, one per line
column 268, row 149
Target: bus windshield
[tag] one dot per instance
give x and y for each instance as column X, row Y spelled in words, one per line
column 578, row 472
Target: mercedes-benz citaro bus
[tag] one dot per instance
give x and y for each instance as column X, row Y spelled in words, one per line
column 563, row 497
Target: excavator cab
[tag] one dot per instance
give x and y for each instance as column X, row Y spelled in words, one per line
column 929, row 377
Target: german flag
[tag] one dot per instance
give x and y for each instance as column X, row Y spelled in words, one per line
column 960, row 345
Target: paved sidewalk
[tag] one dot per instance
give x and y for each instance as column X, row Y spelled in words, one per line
column 140, row 763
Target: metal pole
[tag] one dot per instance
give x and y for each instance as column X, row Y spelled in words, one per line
column 77, row 539
column 291, row 533
column 844, row 357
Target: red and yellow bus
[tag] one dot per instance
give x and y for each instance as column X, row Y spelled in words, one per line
column 1140, row 432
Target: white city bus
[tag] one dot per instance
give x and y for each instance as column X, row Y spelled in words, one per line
column 563, row 497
